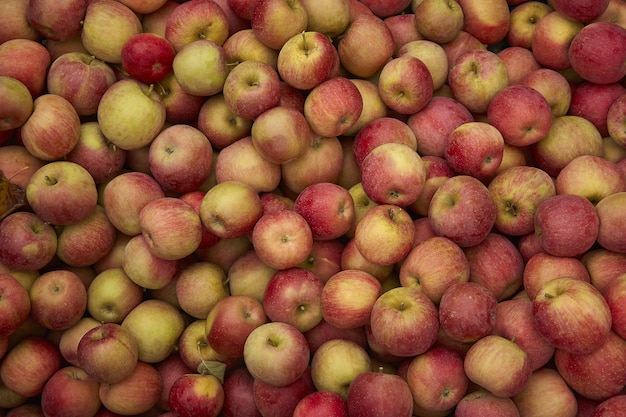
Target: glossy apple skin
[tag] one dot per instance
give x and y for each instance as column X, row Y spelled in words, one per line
column 196, row 394
column 148, row 57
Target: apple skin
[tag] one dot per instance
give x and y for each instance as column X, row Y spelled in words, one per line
column 199, row 286
column 437, row 379
column 272, row 344
column 135, row 394
column 325, row 258
column 519, row 62
column 385, row 226
column 230, row 322
column 498, row 365
column 281, row 134
column 17, row 25
column 294, row 296
column 244, row 46
column 615, row 120
column 542, row 267
column 514, row 319
column 269, row 15
column 34, row 61
column 546, row 383
column 58, row 299
column 593, row 101
column 551, row 40
column 248, row 275
column 566, row 225
column 107, row 353
column 220, row 124
column 378, row 393
column 348, row 297
column 610, row 211
column 435, row 121
column 280, row 401
column 610, row 407
column 98, row 18
column 403, row 29
column 29, row 364
column 333, row 106
column 405, row 84
column 592, row 177
column 53, row 128
column 28, row 243
column 404, row 321
column 603, row 266
column 111, row 295
column 516, row 193
column 467, row 311
column 196, row 394
column 251, row 88
column 336, row 363
column 599, row 67
column 487, row 21
column 438, row 21
column 238, row 395
column 190, row 22
column 598, row 375
column 16, row 111
column 321, row 404
column 147, row 67
column 15, row 306
column 449, row 207
column 483, row 403
column 70, row 392
column 380, row 131
column 476, row 149
column 475, row 77
column 524, row 19
column 200, row 67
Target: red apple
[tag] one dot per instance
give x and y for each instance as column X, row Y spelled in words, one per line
column 597, row 65
column 25, row 60
column 199, row 287
column 281, row 134
column 28, row 243
column 196, row 394
column 238, row 395
column 70, row 392
column 483, row 403
column 147, row 57
column 135, row 394
column 487, row 21
column 551, row 40
column 189, row 22
column 274, row 21
column 524, row 19
column 405, row 84
column 380, row 131
column 251, row 88
column 476, row 149
column 58, row 299
column 220, row 124
column 542, row 267
column 17, row 25
column 378, row 393
column 610, row 234
column 546, row 383
column 15, row 305
column 248, row 275
column 519, row 62
column 280, row 401
column 321, row 404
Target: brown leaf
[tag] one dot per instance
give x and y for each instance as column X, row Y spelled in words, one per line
column 12, row 196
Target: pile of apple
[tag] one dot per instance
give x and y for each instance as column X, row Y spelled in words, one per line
column 271, row 208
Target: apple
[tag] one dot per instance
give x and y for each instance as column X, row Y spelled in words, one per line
column 553, row 309
column 435, row 121
column 615, row 120
column 276, row 353
column 28, row 243
column 553, row 86
column 96, row 154
column 15, row 305
column 516, row 193
column 268, row 15
column 434, row 265
column 325, row 258
column 580, row 11
column 29, row 364
column 336, row 363
column 248, row 275
column 373, row 106
column 281, row 134
column 328, row 17
column 70, row 391
column 433, row 55
column 598, row 375
column 200, row 67
column 251, row 88
column 599, row 67
column 107, row 353
column 18, row 164
column 546, row 383
column 475, row 77
column 282, row 239
column 462, row 42
column 141, row 321
column 147, row 57
column 230, row 322
column 27, row 61
column 380, row 131
column 225, row 251
column 603, row 266
column 244, row 45
column 348, row 297
column 105, row 302
column 16, row 111
column 592, row 177
column 551, row 40
column 144, row 6
column 238, row 394
column 451, row 205
column 95, row 35
column 612, row 12
column 365, row 29
column 321, row 403
column 307, row 59
column 524, row 19
column 69, row 339
column 325, row 331
column 402, row 27
column 54, row 20
column 333, row 106
column 199, row 287
column 379, row 393
column 180, row 106
column 542, row 267
column 280, row 401
column 497, row 364
column 58, row 299
column 385, row 234
column 404, row 321
column 476, row 149
column 487, row 21
column 439, row 21
column 593, row 101
column 610, row 406
column 196, row 393
column 130, row 103
column 351, row 258
column 566, row 224
column 17, row 25
column 437, row 379
column 519, row 62
column 222, row 211
column 294, row 296
column 197, row 354
column 483, row 403
column 125, row 195
column 220, row 124
column 235, row 23
column 322, row 162
column 610, row 232
column 197, row 20
column 135, row 394
column 405, row 84
column 53, row 128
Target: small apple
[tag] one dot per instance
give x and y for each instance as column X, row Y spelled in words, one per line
column 147, row 57
column 379, row 393
column 135, row 394
column 70, row 391
column 28, row 243
column 251, row 88
column 196, row 394
column 196, row 20
column 111, row 295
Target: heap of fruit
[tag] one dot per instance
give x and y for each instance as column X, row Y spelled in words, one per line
column 247, row 208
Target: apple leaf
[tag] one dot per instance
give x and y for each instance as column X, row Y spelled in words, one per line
column 12, row 196
column 215, row 368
